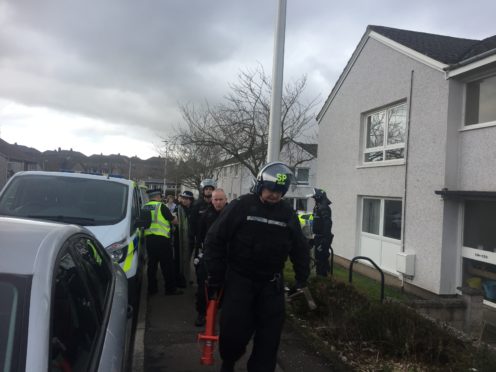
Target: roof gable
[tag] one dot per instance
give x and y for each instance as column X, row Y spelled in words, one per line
column 437, row 51
column 445, row 49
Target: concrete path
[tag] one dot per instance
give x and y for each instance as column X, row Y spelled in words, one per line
column 166, row 340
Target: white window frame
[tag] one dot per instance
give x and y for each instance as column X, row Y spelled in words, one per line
column 302, row 182
column 482, row 124
column 476, row 254
column 381, row 249
column 385, row 147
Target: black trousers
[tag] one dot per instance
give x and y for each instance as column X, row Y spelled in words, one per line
column 201, row 277
column 160, row 251
column 251, row 309
column 322, row 243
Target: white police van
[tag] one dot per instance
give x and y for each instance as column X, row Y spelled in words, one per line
column 107, row 206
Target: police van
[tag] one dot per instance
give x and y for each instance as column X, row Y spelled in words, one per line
column 107, row 206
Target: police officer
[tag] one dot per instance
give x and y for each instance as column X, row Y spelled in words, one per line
column 245, row 252
column 158, row 219
column 207, row 186
column 219, row 201
column 322, row 226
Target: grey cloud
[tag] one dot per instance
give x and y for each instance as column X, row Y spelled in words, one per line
column 132, row 62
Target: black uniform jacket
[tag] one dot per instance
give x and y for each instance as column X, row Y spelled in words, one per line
column 206, row 221
column 198, row 209
column 254, row 239
column 322, row 219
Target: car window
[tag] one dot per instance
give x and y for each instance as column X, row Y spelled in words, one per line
column 82, row 201
column 135, row 210
column 74, row 324
column 96, row 266
column 14, row 298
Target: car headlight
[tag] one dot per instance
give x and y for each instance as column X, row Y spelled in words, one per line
column 118, row 251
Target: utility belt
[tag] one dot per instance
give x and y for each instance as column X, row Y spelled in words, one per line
column 257, row 277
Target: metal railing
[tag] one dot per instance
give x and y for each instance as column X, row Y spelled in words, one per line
column 350, row 275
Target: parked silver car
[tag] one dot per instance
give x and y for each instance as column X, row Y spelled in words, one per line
column 63, row 303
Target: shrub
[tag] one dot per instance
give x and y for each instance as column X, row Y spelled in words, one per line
column 391, row 329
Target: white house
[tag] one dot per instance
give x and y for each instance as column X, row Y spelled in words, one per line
column 237, row 180
column 407, row 153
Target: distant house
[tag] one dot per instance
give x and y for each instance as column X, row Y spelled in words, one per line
column 237, row 180
column 407, row 153
column 12, row 160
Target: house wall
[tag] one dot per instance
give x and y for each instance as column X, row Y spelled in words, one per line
column 379, row 77
column 477, row 159
column 237, row 180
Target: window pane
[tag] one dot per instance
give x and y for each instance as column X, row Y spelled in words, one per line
column 374, row 156
column 481, row 275
column 392, row 219
column 395, row 154
column 96, row 268
column 371, row 216
column 77, row 200
column 302, row 175
column 396, row 125
column 74, row 326
column 8, row 312
column 301, row 204
column 375, row 130
column 481, row 101
column 480, row 225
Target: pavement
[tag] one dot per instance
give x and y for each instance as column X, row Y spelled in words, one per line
column 166, row 340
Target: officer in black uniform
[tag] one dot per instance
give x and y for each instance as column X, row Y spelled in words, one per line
column 245, row 252
column 198, row 209
column 322, row 226
column 219, row 201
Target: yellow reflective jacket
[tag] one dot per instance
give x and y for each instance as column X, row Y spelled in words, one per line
column 159, row 225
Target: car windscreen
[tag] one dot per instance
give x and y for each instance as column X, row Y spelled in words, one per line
column 14, row 300
column 81, row 201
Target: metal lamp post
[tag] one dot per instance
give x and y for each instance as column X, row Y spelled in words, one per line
column 274, row 142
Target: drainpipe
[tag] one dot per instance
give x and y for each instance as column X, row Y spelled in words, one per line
column 403, row 213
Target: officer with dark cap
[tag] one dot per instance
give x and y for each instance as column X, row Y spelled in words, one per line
column 158, row 220
column 322, row 226
column 199, row 208
column 245, row 252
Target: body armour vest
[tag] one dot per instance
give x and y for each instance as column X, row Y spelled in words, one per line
column 261, row 244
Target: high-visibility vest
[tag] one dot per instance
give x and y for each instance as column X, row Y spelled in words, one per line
column 159, row 225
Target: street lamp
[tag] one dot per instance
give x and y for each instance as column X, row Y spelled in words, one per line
column 165, row 166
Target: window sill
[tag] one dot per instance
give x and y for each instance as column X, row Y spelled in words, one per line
column 381, row 164
column 381, row 237
column 478, row 126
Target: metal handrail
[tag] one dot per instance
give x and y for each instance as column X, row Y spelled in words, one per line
column 375, row 265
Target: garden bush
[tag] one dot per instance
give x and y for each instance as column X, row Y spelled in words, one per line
column 390, row 333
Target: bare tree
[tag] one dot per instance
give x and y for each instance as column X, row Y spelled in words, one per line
column 238, row 128
column 190, row 163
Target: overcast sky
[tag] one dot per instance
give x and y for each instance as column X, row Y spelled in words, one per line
column 107, row 76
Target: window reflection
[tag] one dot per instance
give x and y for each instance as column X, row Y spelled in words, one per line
column 375, row 130
column 480, row 104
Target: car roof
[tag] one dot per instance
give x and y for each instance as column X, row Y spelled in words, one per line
column 77, row 175
column 30, row 246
